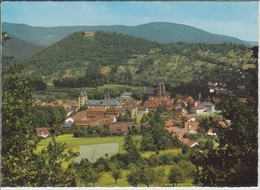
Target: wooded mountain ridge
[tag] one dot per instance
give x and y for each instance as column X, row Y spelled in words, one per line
column 162, row 32
column 134, row 61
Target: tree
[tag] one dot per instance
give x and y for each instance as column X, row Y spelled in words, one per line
column 17, row 141
column 160, row 177
column 234, row 161
column 131, row 148
column 116, row 173
column 85, row 171
column 147, row 142
column 48, row 171
column 147, row 175
column 185, row 149
column 209, row 144
column 102, row 164
column 188, row 168
column 94, row 177
column 134, row 177
column 175, row 176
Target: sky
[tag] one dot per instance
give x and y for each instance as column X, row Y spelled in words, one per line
column 236, row 19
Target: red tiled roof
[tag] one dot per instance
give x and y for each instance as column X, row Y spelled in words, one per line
column 193, row 124
column 120, row 127
column 188, row 142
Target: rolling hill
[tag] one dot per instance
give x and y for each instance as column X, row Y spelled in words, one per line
column 161, row 32
column 18, row 50
column 129, row 60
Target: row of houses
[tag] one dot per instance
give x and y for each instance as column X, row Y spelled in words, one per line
column 115, row 128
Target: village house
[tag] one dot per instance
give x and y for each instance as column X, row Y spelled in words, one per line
column 154, row 102
column 120, row 128
column 211, row 133
column 90, row 117
column 177, row 131
column 102, row 103
column 42, row 132
column 130, row 102
column 113, row 111
column 189, row 142
column 203, row 108
column 142, row 110
column 191, row 126
column 126, row 96
column 151, row 104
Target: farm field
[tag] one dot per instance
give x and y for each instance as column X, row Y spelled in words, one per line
column 94, row 147
column 95, row 151
column 76, row 142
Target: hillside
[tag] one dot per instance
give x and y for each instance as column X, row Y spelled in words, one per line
column 161, row 32
column 72, row 54
column 18, row 50
column 134, row 61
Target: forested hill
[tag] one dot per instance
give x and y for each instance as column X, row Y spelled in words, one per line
column 161, row 32
column 129, row 60
column 15, row 50
column 72, row 54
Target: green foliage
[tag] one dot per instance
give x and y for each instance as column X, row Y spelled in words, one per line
column 17, row 141
column 209, row 144
column 47, row 116
column 85, row 172
column 189, row 169
column 92, row 78
column 131, row 148
column 160, row 177
column 185, row 149
column 128, row 60
column 124, row 118
column 38, row 84
column 133, row 178
column 116, row 173
column 49, row 162
column 147, row 142
column 18, row 50
column 91, row 131
column 102, row 164
column 175, row 176
column 234, row 162
column 21, row 166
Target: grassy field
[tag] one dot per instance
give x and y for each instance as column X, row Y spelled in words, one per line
column 72, row 142
column 147, row 154
column 107, row 180
column 94, row 151
column 76, row 142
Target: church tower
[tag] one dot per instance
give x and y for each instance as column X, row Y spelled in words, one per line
column 82, row 97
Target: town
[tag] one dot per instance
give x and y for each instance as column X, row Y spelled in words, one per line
column 161, row 94
column 182, row 115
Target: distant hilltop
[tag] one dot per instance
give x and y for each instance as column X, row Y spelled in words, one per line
column 162, row 32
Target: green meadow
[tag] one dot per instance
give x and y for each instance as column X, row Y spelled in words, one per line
column 106, row 179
